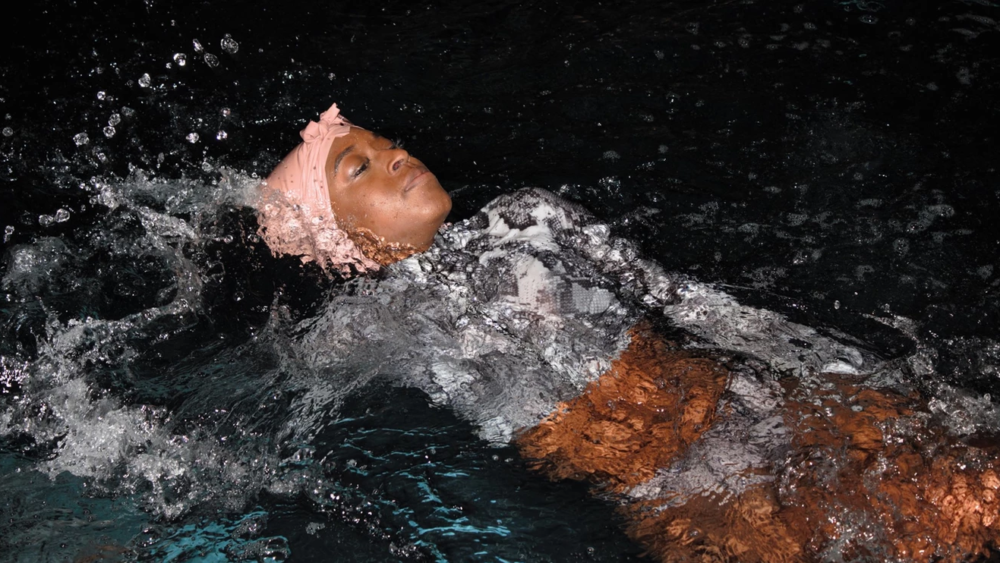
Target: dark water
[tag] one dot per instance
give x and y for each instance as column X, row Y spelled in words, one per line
column 834, row 160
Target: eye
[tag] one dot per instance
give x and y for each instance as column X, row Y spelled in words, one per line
column 361, row 168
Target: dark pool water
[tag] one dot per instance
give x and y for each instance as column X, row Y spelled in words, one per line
column 836, row 161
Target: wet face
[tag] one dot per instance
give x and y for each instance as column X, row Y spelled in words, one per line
column 377, row 186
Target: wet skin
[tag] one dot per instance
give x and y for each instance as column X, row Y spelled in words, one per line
column 378, row 186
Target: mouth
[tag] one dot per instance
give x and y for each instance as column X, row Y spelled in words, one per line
column 416, row 177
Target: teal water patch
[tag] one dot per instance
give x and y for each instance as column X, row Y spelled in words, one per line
column 57, row 519
column 220, row 541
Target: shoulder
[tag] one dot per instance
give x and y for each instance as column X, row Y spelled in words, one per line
column 528, row 214
column 530, row 206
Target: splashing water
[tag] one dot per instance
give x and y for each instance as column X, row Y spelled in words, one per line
column 157, row 386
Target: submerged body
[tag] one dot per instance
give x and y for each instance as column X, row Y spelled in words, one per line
column 758, row 440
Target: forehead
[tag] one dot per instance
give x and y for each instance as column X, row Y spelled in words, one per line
column 358, row 137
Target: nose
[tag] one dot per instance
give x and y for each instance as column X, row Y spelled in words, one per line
column 397, row 158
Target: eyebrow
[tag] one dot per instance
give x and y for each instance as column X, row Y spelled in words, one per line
column 343, row 153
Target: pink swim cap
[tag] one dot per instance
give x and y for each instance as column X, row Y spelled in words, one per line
column 296, row 216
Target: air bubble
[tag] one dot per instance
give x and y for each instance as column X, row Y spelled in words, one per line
column 46, row 220
column 197, row 46
column 62, row 215
column 7, row 232
column 211, row 60
column 127, row 111
column 101, row 95
column 225, row 112
column 109, row 131
column 8, row 132
column 611, row 155
column 81, row 139
column 181, row 59
column 901, row 246
column 964, row 76
column 115, row 119
column 229, row 44
column 192, row 138
column 869, row 19
column 222, row 135
column 145, row 80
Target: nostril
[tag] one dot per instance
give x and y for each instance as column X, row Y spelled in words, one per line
column 396, row 165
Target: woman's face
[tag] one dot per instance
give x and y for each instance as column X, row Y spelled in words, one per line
column 378, row 186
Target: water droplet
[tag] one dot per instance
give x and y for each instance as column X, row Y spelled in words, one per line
column 211, row 60
column 229, row 44
column 221, row 135
column 46, row 220
column 101, row 95
column 901, row 246
column 127, row 111
column 869, row 19
column 81, row 139
column 225, row 112
column 7, row 232
column 192, row 138
column 181, row 59
column 109, row 131
column 659, row 54
column 62, row 215
column 145, row 80
column 836, row 304
column 115, row 119
column 964, row 76
column 197, row 46
column 7, row 132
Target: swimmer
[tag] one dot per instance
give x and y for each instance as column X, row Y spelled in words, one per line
column 770, row 444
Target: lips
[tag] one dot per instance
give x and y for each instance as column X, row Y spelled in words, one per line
column 415, row 178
